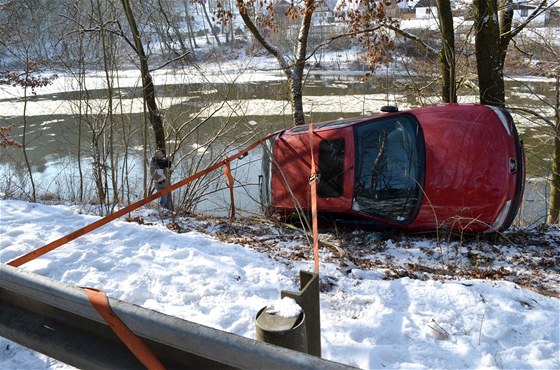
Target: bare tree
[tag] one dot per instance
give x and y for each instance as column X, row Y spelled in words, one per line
column 494, row 31
column 155, row 116
column 188, row 21
column 260, row 20
column 447, row 52
column 538, row 51
column 213, row 29
column 19, row 39
column 488, row 53
column 554, row 205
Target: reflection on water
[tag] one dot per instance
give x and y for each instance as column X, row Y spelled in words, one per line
column 63, row 131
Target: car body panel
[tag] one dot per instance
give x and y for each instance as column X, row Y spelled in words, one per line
column 294, row 165
column 471, row 188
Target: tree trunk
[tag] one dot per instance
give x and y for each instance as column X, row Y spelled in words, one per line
column 212, row 29
column 156, row 119
column 24, row 140
column 192, row 36
column 506, row 23
column 109, row 147
column 301, row 57
column 554, row 203
column 489, row 53
column 447, row 53
column 82, row 98
column 296, row 100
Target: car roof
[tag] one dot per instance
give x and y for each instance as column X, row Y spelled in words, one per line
column 337, row 123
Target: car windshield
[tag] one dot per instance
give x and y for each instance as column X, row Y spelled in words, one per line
column 389, row 168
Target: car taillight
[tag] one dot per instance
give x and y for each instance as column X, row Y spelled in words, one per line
column 496, row 225
column 502, row 117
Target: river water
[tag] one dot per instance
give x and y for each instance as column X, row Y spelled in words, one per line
column 208, row 119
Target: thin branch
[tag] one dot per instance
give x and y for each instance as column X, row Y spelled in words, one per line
column 412, row 37
column 260, row 38
column 340, row 36
column 541, row 8
column 533, row 113
column 126, row 39
column 169, row 62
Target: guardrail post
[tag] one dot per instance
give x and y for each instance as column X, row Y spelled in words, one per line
column 308, row 299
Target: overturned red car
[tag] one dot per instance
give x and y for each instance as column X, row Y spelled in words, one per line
column 457, row 166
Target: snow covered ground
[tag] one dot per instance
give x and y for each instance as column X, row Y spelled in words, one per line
column 368, row 320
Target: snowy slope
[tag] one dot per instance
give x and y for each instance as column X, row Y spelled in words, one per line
column 367, row 321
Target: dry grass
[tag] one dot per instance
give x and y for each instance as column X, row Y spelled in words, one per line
column 529, row 257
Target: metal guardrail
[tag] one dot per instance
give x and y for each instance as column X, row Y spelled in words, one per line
column 59, row 321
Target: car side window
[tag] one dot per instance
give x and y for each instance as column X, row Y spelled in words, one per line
column 331, row 168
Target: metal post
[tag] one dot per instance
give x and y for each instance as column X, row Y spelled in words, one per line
column 308, row 299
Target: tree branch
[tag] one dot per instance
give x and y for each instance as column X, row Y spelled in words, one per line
column 412, row 37
column 541, row 8
column 260, row 38
column 169, row 62
column 547, row 121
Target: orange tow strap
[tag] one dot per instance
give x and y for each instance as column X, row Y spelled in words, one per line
column 100, row 302
column 313, row 184
column 121, row 212
column 230, row 183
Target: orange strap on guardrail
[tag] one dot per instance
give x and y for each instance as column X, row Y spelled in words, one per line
column 313, row 184
column 121, row 212
column 100, row 302
column 230, row 183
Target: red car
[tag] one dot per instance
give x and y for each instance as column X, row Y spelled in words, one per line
column 459, row 166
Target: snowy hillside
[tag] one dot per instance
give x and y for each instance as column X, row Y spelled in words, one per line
column 393, row 304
